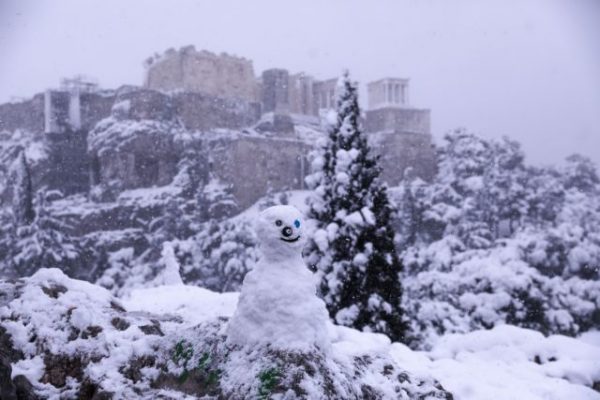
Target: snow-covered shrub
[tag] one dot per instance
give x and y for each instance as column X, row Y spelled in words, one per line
column 43, row 243
column 478, row 194
column 126, row 272
column 453, row 290
column 272, row 198
column 219, row 256
column 570, row 246
column 173, row 223
column 216, row 200
column 492, row 241
column 22, row 202
column 580, row 173
column 119, row 273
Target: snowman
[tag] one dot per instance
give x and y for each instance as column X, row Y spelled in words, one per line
column 278, row 307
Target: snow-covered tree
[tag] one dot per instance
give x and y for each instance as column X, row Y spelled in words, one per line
column 353, row 247
column 216, row 200
column 22, row 203
column 45, row 243
column 409, row 216
column 478, row 195
column 493, row 241
column 172, row 224
column 123, row 273
column 219, row 256
column 505, row 187
column 580, row 173
column 273, row 199
column 545, row 196
column 455, row 202
column 7, row 239
column 460, row 290
column 192, row 167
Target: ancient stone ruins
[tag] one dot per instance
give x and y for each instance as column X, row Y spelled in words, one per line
column 258, row 130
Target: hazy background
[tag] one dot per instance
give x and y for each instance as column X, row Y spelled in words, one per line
column 527, row 69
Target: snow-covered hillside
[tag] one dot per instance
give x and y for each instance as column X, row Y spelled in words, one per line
column 68, row 337
column 71, row 339
column 506, row 362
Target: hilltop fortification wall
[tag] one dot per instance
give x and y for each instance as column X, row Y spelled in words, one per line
column 219, row 75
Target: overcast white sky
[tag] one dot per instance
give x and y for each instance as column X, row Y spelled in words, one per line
column 526, row 69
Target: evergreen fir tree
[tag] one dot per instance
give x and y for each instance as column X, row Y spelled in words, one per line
column 45, row 243
column 353, row 247
column 221, row 255
column 7, row 240
column 22, row 192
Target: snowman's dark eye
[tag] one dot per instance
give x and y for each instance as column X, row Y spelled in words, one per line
column 297, row 223
column 278, row 222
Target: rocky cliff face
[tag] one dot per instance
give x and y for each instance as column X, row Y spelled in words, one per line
column 135, row 137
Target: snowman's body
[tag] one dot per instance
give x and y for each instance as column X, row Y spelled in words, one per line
column 278, row 306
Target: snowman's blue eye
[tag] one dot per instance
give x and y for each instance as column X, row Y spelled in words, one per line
column 297, row 223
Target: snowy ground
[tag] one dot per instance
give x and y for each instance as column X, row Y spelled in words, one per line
column 503, row 363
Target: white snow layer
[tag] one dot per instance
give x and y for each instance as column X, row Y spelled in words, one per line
column 502, row 363
column 170, row 275
column 506, row 362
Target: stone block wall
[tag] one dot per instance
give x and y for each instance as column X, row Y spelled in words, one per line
column 399, row 151
column 202, row 112
column 257, row 165
column 202, row 71
column 301, row 93
column 324, row 95
column 275, row 94
column 402, row 138
column 165, row 73
column 399, row 120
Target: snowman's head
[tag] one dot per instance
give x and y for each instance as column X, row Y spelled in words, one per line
column 280, row 231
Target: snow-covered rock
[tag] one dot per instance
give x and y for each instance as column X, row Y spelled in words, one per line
column 64, row 338
column 509, row 362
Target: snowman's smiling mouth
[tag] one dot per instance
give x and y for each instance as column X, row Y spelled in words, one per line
column 291, row 240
